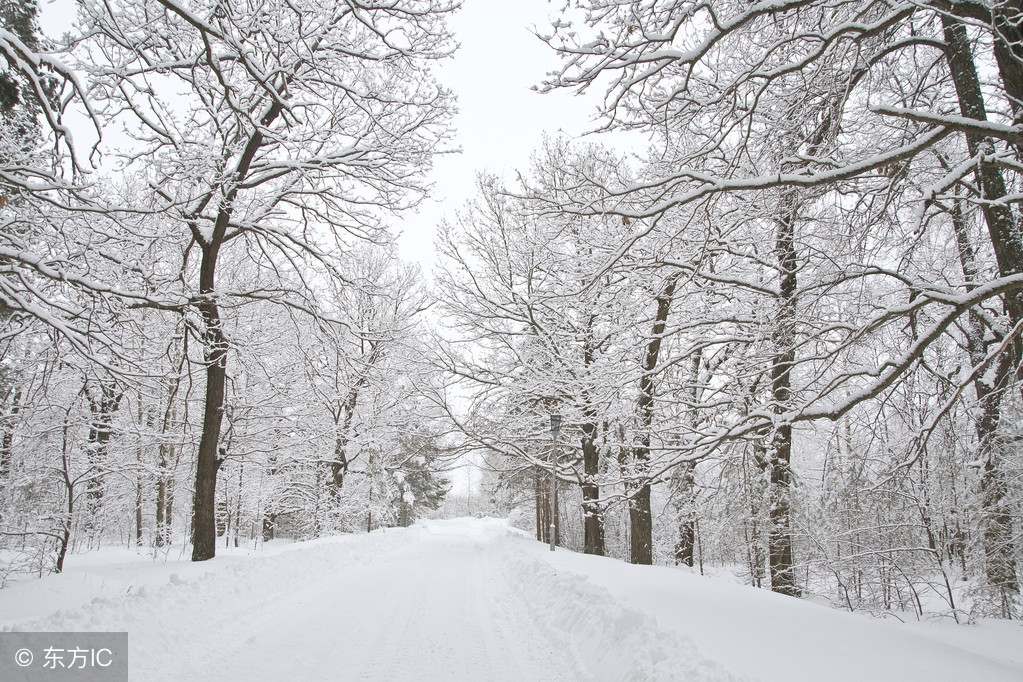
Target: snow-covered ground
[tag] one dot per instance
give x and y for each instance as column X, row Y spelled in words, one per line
column 475, row 600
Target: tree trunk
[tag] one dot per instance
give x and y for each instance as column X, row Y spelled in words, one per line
column 238, row 503
column 593, row 520
column 101, row 429
column 204, row 522
column 1003, row 227
column 685, row 478
column 991, row 386
column 686, row 511
column 167, row 458
column 204, row 529
column 138, row 498
column 161, row 505
column 779, row 539
column 542, row 496
column 640, row 518
column 641, row 548
column 64, row 535
column 593, row 516
column 7, row 439
column 343, row 418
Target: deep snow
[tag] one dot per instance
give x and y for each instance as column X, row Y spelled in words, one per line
column 475, row 600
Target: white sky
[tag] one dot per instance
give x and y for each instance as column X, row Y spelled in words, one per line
column 501, row 121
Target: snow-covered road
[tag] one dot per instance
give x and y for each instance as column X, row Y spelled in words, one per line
column 453, row 600
column 438, row 608
column 474, row 600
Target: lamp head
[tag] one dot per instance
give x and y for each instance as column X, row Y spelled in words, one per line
column 555, row 422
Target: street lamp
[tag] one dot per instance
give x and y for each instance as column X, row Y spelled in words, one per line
column 555, row 427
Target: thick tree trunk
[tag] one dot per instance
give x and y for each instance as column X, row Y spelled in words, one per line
column 343, row 417
column 686, row 511
column 204, row 528
column 641, row 527
column 593, row 515
column 204, row 522
column 779, row 539
column 640, row 518
column 269, row 526
column 990, row 387
column 101, row 429
column 1003, row 227
column 593, row 520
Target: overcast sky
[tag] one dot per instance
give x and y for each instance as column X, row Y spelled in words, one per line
column 500, row 121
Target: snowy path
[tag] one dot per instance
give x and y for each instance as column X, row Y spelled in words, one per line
column 455, row 600
column 437, row 608
column 474, row 600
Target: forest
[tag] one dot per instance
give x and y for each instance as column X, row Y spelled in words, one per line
column 780, row 336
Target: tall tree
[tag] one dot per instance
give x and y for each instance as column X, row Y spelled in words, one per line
column 270, row 141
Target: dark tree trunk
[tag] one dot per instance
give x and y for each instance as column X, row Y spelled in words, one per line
column 593, row 520
column 101, row 429
column 542, row 496
column 269, row 525
column 204, row 528
column 593, row 517
column 990, row 387
column 640, row 518
column 779, row 539
column 685, row 477
column 1002, row 224
column 64, row 533
column 161, row 506
column 7, row 439
column 1007, row 42
column 138, row 501
column 641, row 527
column 204, row 522
column 686, row 510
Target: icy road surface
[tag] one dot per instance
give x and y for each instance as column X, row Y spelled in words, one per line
column 474, row 600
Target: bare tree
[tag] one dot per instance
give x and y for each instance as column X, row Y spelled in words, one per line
column 273, row 142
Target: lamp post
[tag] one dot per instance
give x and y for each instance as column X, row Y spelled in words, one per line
column 555, row 427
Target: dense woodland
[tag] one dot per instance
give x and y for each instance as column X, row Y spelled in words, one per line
column 783, row 332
